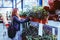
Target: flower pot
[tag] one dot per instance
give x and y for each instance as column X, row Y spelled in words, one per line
column 45, row 21
column 40, row 21
column 23, row 16
column 35, row 20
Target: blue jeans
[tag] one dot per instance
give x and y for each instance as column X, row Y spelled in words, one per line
column 19, row 33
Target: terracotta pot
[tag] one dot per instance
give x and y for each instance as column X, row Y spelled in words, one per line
column 35, row 19
column 23, row 16
column 40, row 21
column 45, row 21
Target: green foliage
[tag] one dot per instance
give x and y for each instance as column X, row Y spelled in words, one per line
column 38, row 12
column 23, row 13
column 35, row 12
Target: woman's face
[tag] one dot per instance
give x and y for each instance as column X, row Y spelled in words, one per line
column 17, row 12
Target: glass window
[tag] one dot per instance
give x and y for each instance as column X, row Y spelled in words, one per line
column 45, row 3
column 18, row 3
column 28, row 4
column 0, row 3
column 5, row 9
column 7, row 3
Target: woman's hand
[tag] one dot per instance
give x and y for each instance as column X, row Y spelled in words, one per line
column 23, row 19
column 30, row 18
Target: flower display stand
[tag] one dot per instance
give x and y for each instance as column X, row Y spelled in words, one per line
column 52, row 29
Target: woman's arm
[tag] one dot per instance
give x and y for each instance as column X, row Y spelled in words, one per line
column 20, row 20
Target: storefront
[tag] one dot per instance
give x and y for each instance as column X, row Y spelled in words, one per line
column 39, row 27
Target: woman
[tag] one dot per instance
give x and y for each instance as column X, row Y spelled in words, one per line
column 16, row 19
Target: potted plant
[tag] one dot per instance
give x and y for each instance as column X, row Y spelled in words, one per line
column 23, row 14
column 44, row 16
column 39, row 14
column 33, row 14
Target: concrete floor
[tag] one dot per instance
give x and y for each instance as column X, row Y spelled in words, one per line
column 3, row 32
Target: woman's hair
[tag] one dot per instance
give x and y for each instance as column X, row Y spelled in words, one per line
column 14, row 11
